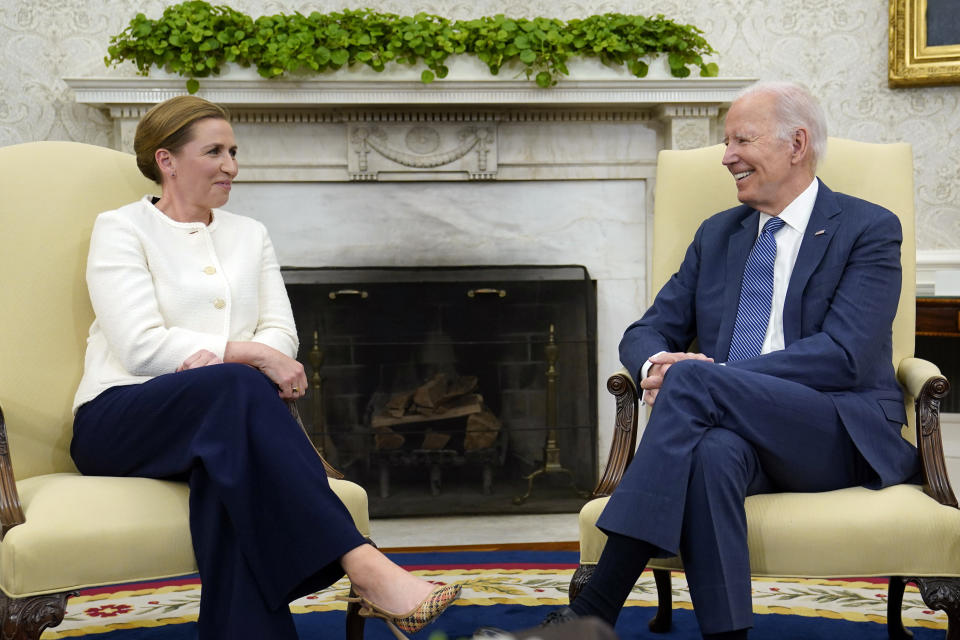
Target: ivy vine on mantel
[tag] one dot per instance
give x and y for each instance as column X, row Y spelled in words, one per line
column 197, row 40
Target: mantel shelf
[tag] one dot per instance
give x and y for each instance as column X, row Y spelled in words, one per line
column 107, row 92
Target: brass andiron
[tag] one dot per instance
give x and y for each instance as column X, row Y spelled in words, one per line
column 316, row 386
column 551, row 452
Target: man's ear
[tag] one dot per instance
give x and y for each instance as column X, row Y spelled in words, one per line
column 800, row 146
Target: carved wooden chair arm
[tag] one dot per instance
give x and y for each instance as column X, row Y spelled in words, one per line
column 11, row 513
column 624, row 441
column 923, row 381
column 331, row 472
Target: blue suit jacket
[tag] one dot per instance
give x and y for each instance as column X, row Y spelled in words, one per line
column 837, row 316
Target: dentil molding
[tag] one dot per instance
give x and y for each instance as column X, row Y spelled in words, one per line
column 115, row 92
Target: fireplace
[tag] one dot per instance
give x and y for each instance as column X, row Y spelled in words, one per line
column 453, row 390
column 353, row 171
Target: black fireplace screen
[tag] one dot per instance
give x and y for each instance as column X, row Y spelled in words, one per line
column 452, row 390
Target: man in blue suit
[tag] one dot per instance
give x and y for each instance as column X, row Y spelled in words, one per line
column 791, row 387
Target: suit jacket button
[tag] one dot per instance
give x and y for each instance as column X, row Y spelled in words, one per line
column 210, row 270
column 219, row 303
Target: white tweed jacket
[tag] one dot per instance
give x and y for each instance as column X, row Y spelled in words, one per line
column 162, row 290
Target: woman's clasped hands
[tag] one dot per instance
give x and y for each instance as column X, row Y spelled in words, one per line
column 285, row 372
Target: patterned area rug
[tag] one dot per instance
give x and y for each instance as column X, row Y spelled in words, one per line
column 512, row 590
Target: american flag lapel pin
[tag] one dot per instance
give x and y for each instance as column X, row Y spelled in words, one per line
column 820, row 233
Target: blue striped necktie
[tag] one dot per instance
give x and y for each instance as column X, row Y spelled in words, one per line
column 756, row 295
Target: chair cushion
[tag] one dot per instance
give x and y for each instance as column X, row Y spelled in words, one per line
column 82, row 531
column 845, row 533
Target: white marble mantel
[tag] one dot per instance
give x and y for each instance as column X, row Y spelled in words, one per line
column 366, row 169
column 684, row 112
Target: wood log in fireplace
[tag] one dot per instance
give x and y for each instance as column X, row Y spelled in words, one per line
column 439, row 398
column 398, row 403
column 386, row 438
column 463, row 406
column 457, row 428
column 435, row 440
column 439, row 392
column 442, row 397
column 482, row 430
column 429, row 395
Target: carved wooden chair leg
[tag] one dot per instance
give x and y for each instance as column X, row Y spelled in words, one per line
column 942, row 594
column 355, row 622
column 661, row 622
column 580, row 578
column 895, row 628
column 26, row 618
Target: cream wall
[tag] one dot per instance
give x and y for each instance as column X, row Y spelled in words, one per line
column 837, row 47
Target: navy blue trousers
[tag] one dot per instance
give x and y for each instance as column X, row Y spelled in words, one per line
column 266, row 526
column 716, row 435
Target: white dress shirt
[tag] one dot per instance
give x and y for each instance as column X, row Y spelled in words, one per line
column 795, row 217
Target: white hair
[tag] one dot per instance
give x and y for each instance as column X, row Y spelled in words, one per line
column 796, row 108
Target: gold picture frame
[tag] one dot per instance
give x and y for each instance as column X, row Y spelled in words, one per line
column 911, row 61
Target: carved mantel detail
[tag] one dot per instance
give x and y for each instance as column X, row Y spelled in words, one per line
column 435, row 151
column 688, row 126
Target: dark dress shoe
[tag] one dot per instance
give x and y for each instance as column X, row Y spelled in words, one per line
column 559, row 616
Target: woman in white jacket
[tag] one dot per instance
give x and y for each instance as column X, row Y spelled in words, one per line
column 188, row 363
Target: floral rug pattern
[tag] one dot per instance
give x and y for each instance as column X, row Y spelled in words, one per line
column 132, row 606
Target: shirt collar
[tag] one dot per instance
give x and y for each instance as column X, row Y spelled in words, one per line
column 796, row 215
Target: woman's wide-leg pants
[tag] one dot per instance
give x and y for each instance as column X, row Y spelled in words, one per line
column 266, row 526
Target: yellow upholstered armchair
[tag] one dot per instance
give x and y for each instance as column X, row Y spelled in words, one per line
column 908, row 533
column 62, row 531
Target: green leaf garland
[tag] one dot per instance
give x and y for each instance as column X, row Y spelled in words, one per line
column 196, row 40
